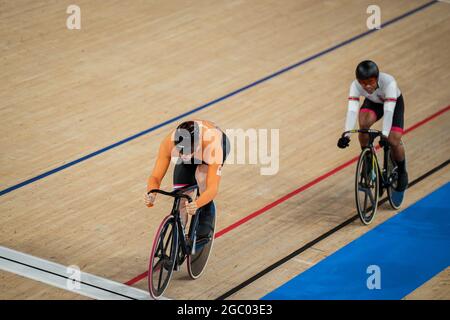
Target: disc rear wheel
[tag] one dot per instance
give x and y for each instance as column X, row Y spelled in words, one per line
column 197, row 261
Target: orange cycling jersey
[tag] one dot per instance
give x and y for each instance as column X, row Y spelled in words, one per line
column 210, row 153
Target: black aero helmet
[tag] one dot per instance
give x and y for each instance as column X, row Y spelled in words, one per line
column 367, row 69
column 187, row 137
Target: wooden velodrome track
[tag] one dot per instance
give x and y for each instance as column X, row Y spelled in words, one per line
column 66, row 94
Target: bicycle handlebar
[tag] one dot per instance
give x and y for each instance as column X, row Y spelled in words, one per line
column 372, row 132
column 175, row 194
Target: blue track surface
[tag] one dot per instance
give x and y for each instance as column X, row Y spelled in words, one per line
column 409, row 249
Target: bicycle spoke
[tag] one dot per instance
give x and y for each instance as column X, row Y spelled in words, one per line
column 159, row 250
column 161, row 242
column 157, row 265
column 160, row 275
column 166, row 261
column 365, row 200
column 159, row 253
column 161, row 247
column 364, row 178
column 362, row 189
column 372, row 200
column 167, row 241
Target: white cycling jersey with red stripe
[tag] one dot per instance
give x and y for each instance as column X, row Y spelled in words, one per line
column 386, row 94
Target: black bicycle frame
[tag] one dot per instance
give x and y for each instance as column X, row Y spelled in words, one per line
column 373, row 134
column 185, row 246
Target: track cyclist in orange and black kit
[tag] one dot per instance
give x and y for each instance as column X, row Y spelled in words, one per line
column 200, row 149
column 382, row 98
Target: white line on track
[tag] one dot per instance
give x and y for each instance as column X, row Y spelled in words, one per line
column 57, row 275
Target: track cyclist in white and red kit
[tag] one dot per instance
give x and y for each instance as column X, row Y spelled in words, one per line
column 383, row 98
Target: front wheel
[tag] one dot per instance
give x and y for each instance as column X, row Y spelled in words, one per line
column 367, row 184
column 163, row 257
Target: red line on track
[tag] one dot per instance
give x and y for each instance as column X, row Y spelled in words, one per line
column 297, row 191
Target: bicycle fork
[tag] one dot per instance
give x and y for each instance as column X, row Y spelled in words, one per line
column 370, row 165
column 373, row 174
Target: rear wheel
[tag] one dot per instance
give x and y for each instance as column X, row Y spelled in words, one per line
column 392, row 176
column 163, row 257
column 197, row 261
column 367, row 186
column 395, row 197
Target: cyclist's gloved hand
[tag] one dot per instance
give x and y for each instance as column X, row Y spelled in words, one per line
column 149, row 199
column 343, row 142
column 384, row 141
column 191, row 208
